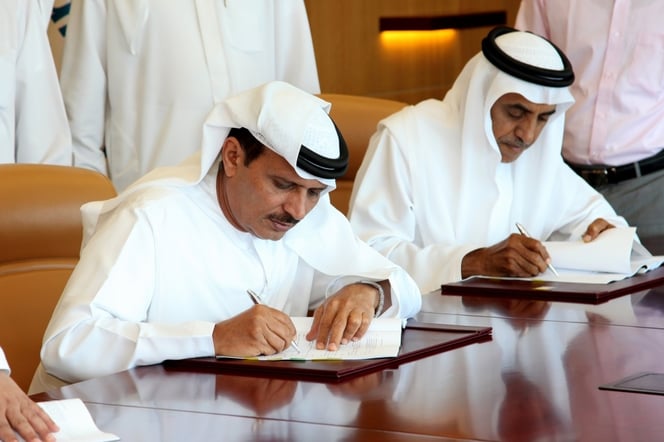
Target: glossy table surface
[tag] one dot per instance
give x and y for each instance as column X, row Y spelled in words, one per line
column 640, row 309
column 537, row 379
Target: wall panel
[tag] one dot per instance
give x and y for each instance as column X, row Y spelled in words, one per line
column 354, row 58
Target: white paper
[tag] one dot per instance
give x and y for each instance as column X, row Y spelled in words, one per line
column 382, row 340
column 75, row 422
column 612, row 256
column 610, row 252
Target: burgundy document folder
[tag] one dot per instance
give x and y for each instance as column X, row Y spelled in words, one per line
column 555, row 291
column 419, row 339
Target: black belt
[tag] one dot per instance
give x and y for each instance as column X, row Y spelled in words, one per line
column 599, row 176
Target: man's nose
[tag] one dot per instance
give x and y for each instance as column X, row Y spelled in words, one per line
column 296, row 204
column 527, row 130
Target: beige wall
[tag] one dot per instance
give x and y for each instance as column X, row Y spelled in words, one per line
column 354, row 58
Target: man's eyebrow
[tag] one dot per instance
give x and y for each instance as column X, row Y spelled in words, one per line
column 319, row 188
column 284, row 180
column 523, row 108
column 519, row 106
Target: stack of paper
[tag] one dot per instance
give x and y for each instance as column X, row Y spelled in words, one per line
column 612, row 256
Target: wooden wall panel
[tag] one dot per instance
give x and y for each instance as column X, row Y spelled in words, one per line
column 354, row 58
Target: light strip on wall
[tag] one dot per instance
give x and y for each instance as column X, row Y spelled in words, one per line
column 432, row 23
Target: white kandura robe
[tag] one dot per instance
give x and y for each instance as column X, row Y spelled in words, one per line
column 33, row 124
column 432, row 188
column 139, row 77
column 160, row 265
column 46, row 9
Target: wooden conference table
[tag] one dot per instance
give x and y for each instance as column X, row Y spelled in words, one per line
column 536, row 380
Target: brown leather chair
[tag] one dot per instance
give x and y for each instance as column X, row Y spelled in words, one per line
column 40, row 238
column 357, row 118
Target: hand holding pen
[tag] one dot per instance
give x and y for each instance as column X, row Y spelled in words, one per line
column 257, row 300
column 523, row 231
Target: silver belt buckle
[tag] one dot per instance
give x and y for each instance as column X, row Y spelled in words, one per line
column 595, row 177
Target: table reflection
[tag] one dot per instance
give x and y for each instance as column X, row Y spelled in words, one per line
column 480, row 390
column 643, row 309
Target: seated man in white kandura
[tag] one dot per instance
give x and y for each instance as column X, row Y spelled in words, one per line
column 165, row 267
column 444, row 183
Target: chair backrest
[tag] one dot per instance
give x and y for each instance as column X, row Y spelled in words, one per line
column 357, row 118
column 40, row 239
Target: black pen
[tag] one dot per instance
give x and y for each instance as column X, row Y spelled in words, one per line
column 257, row 300
column 523, row 231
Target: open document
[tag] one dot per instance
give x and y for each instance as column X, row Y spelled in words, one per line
column 612, row 256
column 386, row 346
column 382, row 340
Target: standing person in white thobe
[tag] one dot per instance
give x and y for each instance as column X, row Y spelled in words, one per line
column 33, row 124
column 139, row 77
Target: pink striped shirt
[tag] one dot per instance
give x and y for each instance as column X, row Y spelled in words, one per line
column 617, row 51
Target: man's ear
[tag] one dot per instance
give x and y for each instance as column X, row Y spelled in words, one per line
column 232, row 155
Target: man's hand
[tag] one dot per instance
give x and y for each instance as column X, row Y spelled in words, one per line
column 517, row 256
column 18, row 412
column 260, row 330
column 345, row 316
column 595, row 228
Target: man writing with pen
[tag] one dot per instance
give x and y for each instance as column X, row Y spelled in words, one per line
column 445, row 182
column 166, row 267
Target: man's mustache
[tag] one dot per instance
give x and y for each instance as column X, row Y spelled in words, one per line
column 516, row 142
column 284, row 219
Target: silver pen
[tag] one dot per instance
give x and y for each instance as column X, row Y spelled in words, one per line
column 257, row 300
column 523, row 231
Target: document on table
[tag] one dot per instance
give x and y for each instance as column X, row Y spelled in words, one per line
column 612, row 256
column 75, row 422
column 382, row 340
